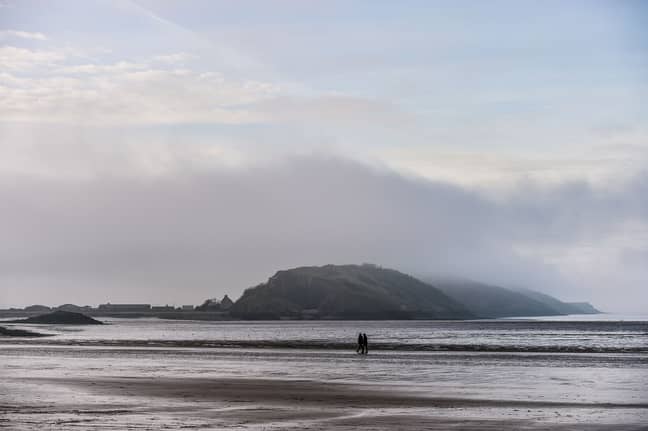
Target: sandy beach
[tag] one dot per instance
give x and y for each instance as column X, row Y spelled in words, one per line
column 167, row 375
column 192, row 403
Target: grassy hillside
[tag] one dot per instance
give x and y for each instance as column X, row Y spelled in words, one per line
column 346, row 292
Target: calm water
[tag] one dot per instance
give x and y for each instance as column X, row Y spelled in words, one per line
column 572, row 334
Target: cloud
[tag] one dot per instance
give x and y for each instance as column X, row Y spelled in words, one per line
column 192, row 234
column 10, row 34
column 94, row 69
column 158, row 92
column 123, row 93
column 20, row 59
column 179, row 57
column 603, row 164
column 85, row 151
column 337, row 110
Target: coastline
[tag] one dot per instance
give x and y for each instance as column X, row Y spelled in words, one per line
column 224, row 317
column 37, row 339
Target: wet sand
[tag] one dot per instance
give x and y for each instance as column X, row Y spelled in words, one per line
column 161, row 375
column 216, row 403
column 319, row 345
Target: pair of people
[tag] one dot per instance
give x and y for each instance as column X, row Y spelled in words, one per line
column 363, row 346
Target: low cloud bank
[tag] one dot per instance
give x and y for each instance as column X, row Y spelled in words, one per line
column 183, row 237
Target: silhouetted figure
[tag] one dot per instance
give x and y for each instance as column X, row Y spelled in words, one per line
column 365, row 344
column 360, row 348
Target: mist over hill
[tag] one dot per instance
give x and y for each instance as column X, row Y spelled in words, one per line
column 346, row 292
column 489, row 301
column 559, row 306
column 372, row 292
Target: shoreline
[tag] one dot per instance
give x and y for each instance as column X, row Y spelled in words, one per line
column 45, row 339
column 226, row 317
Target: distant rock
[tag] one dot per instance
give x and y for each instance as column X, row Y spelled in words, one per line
column 10, row 332
column 60, row 318
column 38, row 308
column 346, row 292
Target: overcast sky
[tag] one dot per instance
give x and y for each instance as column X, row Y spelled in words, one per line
column 172, row 151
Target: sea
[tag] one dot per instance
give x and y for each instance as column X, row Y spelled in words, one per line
column 599, row 361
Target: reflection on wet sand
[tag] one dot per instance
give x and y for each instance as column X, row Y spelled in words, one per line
column 287, row 404
column 261, row 376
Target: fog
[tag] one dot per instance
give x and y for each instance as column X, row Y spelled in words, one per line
column 188, row 235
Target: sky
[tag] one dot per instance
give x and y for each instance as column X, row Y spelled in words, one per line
column 173, row 151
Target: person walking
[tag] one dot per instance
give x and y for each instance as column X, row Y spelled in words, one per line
column 365, row 344
column 360, row 348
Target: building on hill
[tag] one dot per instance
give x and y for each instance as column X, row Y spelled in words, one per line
column 162, row 308
column 121, row 308
column 211, row 304
column 226, row 303
column 215, row 305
